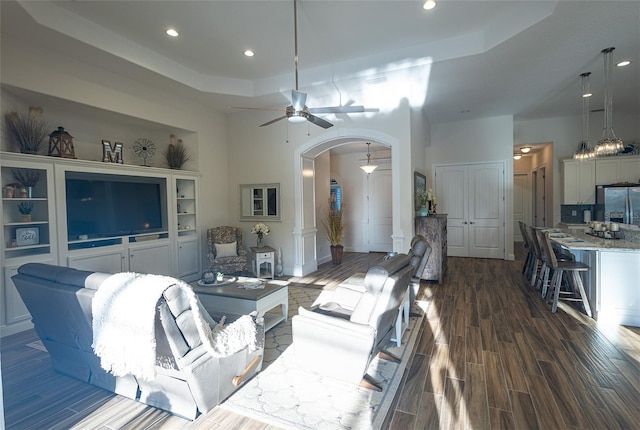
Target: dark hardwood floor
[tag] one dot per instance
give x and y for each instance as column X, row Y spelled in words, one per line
column 491, row 355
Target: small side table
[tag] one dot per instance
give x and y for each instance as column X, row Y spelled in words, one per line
column 263, row 261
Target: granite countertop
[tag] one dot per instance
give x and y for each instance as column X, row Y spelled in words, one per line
column 578, row 239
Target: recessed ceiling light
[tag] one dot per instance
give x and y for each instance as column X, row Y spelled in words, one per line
column 623, row 63
column 587, row 95
column 525, row 149
column 429, row 4
column 172, row 32
column 249, row 53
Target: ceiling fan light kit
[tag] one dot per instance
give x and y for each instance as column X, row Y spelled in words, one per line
column 298, row 111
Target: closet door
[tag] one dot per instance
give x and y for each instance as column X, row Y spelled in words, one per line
column 472, row 196
column 452, row 193
column 486, row 210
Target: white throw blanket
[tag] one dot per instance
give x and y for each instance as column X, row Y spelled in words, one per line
column 124, row 311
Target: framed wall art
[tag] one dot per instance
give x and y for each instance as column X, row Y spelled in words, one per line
column 419, row 184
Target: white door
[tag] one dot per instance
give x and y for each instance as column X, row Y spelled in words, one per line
column 539, row 200
column 379, row 223
column 521, row 203
column 486, row 210
column 452, row 194
column 472, row 196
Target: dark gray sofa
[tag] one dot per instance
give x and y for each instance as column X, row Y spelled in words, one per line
column 189, row 382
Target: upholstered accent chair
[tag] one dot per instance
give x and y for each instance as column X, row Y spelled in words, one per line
column 226, row 251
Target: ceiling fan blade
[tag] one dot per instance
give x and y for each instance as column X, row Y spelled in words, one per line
column 273, row 120
column 298, row 99
column 319, row 121
column 254, row 108
column 337, row 109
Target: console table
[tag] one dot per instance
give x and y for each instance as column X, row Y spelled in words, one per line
column 264, row 256
column 434, row 229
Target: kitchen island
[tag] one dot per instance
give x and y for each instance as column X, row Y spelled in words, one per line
column 613, row 283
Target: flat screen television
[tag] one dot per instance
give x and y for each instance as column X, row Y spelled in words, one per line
column 102, row 206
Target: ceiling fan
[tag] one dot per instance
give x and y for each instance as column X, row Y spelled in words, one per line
column 298, row 111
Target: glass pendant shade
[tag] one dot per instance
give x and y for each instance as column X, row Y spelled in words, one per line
column 585, row 151
column 369, row 168
column 609, row 144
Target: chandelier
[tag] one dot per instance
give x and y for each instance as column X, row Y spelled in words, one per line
column 609, row 144
column 369, row 168
column 585, row 151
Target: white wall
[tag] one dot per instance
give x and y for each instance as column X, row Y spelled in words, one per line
column 475, row 141
column 266, row 154
column 122, row 99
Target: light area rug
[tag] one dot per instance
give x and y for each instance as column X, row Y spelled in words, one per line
column 291, row 398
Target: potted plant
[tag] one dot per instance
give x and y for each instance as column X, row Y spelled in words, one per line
column 426, row 198
column 333, row 224
column 176, row 153
column 27, row 132
column 261, row 230
column 28, row 179
column 25, row 209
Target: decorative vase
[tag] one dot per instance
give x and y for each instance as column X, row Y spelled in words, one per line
column 30, row 192
column 25, row 217
column 208, row 277
column 336, row 254
column 260, row 242
column 423, row 211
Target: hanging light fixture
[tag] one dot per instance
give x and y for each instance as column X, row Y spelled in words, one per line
column 609, row 144
column 525, row 149
column 585, row 151
column 369, row 168
column 517, row 156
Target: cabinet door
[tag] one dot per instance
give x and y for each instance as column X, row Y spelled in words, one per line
column 571, row 189
column 111, row 261
column 587, row 182
column 606, row 172
column 188, row 258
column 579, row 182
column 630, row 170
column 14, row 306
column 150, row 259
column 15, row 309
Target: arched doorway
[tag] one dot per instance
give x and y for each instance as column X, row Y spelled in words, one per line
column 305, row 226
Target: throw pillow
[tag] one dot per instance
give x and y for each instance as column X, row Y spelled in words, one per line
column 226, row 249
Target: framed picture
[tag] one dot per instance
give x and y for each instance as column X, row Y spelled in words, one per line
column 419, row 183
column 28, row 236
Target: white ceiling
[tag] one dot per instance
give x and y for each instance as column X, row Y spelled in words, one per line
column 462, row 60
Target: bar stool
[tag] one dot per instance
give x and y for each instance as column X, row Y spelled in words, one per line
column 526, row 267
column 538, row 266
column 572, row 268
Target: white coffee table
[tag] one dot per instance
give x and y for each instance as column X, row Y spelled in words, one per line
column 231, row 299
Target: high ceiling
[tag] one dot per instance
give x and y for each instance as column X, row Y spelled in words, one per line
column 462, row 60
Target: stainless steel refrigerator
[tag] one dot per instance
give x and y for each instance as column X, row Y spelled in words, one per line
column 618, row 204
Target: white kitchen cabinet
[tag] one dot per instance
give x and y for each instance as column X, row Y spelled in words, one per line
column 579, row 182
column 617, row 169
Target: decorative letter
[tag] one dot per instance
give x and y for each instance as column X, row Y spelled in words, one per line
column 111, row 154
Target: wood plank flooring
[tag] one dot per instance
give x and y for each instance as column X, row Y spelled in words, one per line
column 491, row 356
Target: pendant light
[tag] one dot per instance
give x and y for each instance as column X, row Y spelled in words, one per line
column 585, row 151
column 369, row 168
column 609, row 144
